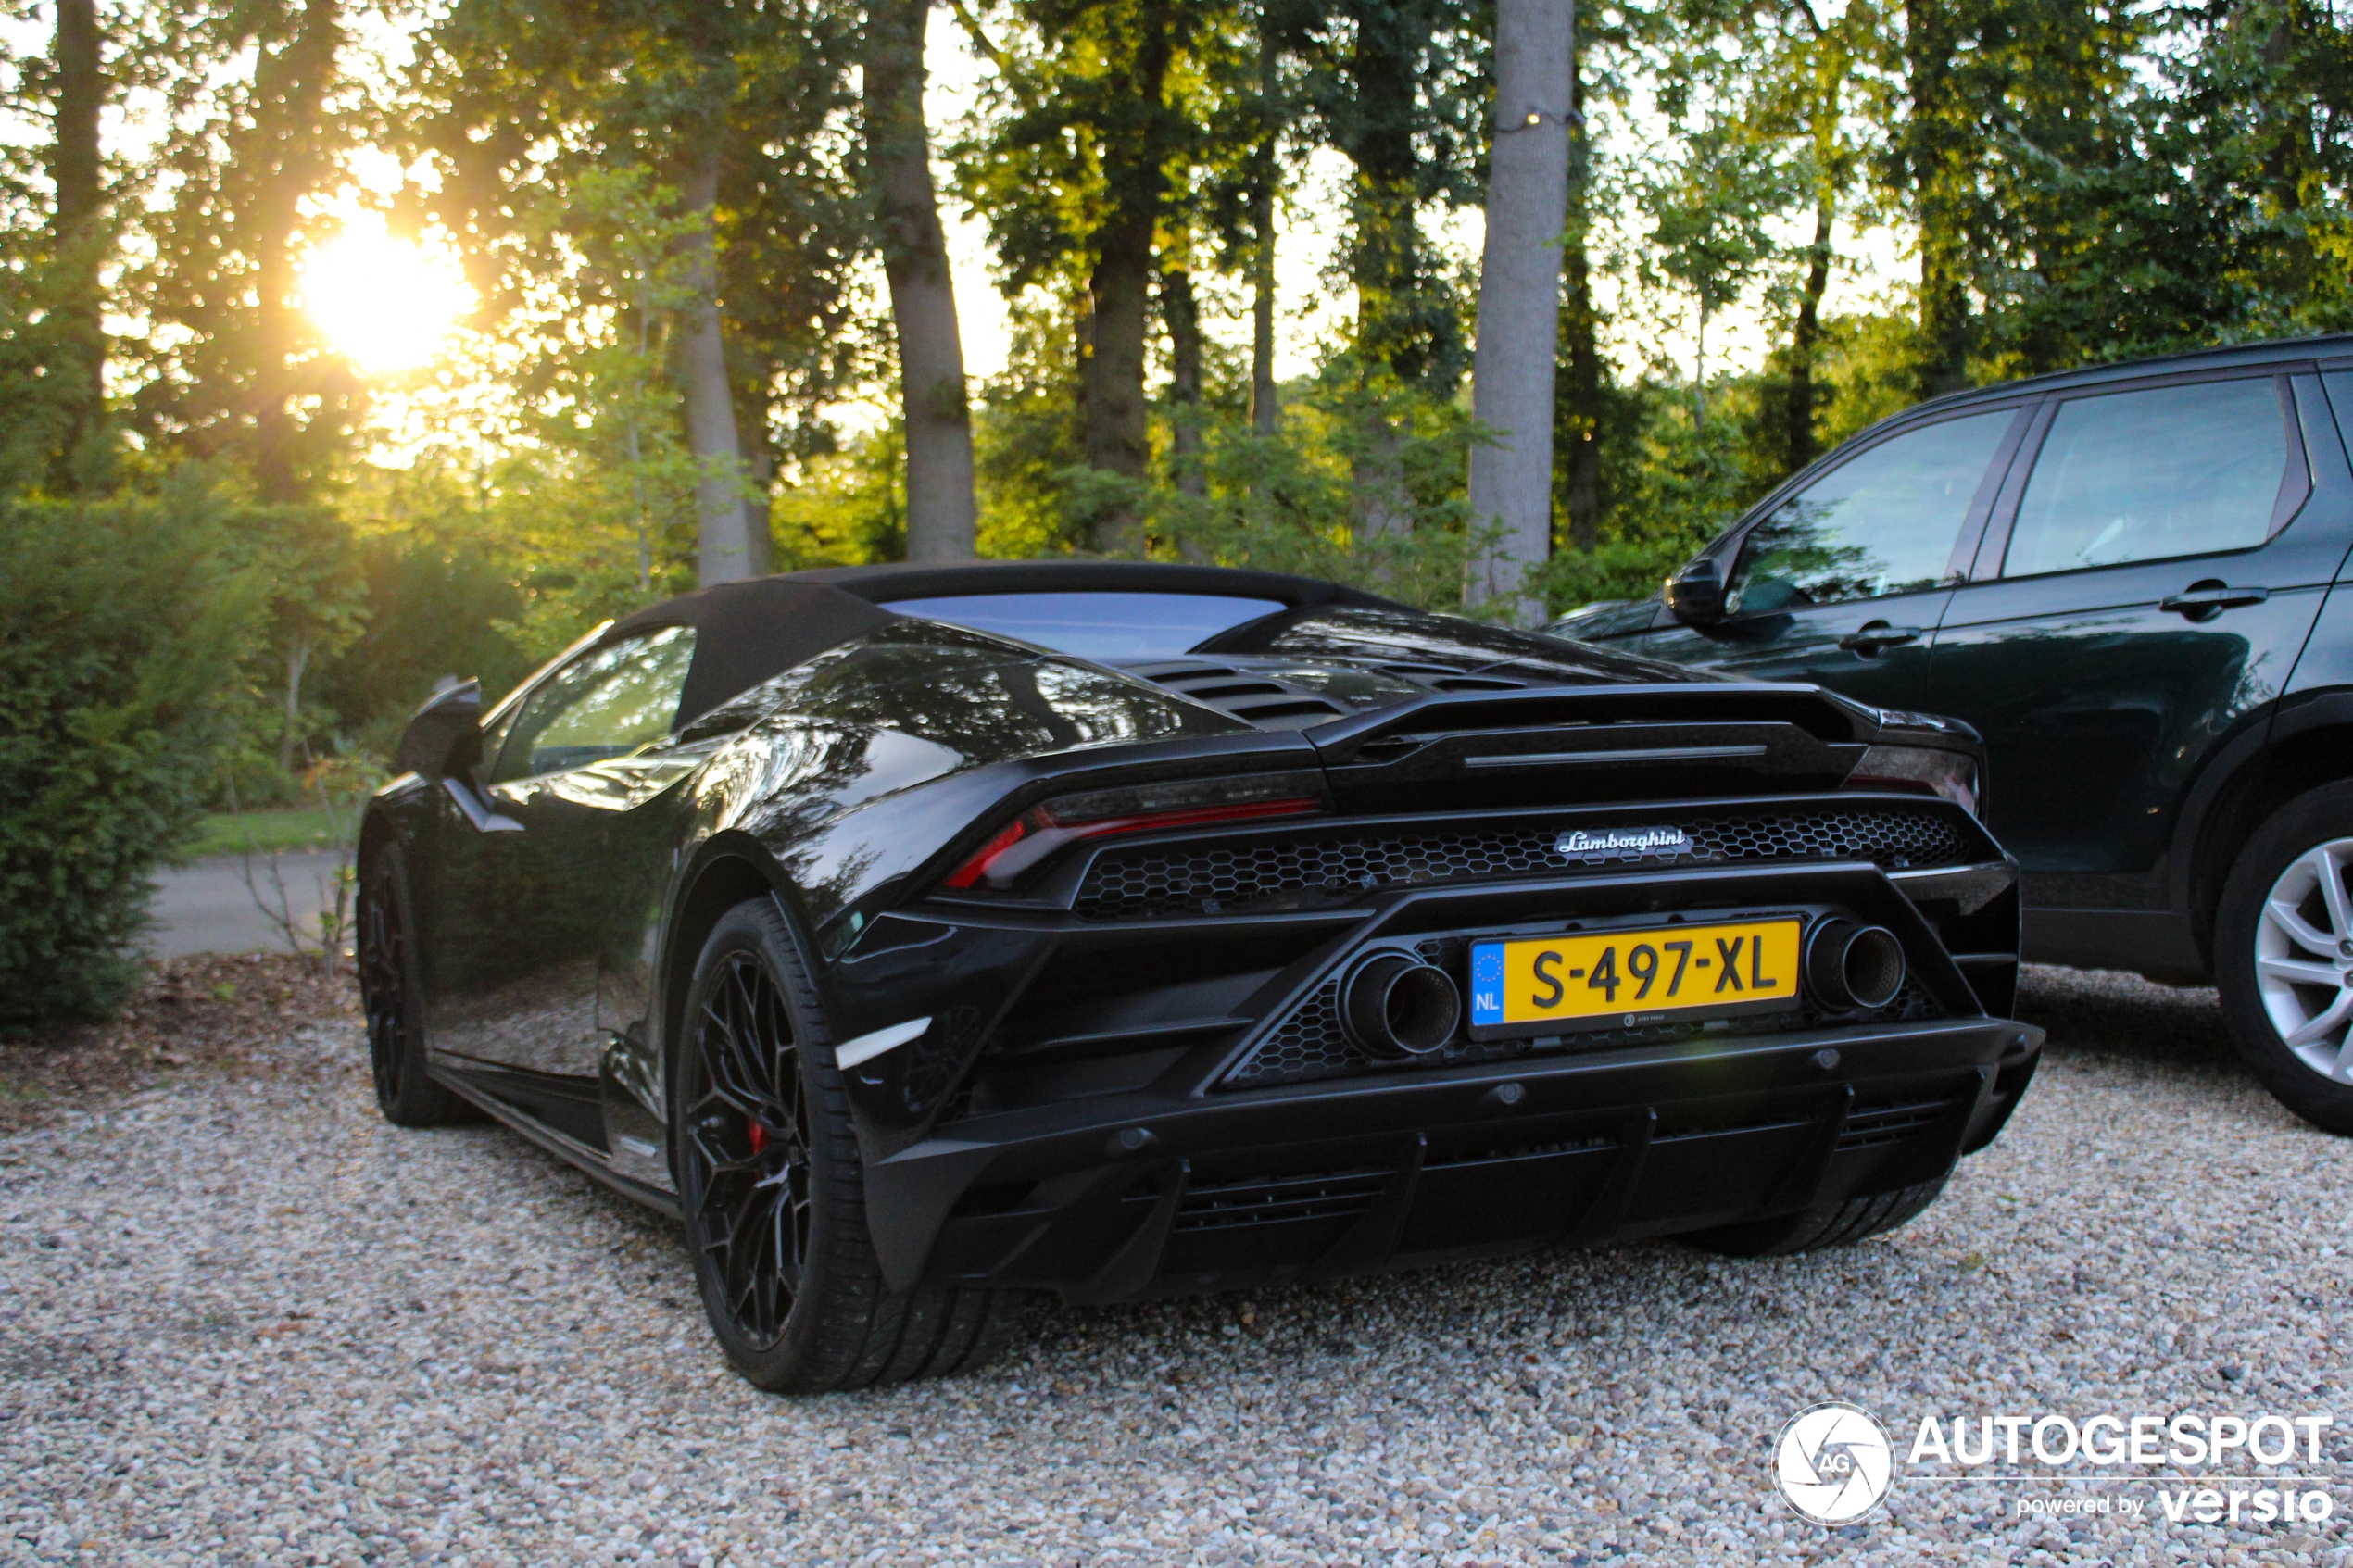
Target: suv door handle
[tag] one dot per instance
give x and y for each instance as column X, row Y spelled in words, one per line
column 2204, row 600
column 1879, row 634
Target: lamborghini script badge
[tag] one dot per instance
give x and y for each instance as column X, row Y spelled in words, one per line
column 1622, row 843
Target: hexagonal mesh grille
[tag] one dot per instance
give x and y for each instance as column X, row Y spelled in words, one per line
column 1213, row 878
column 1309, row 1045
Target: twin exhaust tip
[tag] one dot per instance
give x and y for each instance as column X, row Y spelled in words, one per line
column 1394, row 1006
column 1850, row 966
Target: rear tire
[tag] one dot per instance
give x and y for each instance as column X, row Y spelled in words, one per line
column 1836, row 1225
column 2288, row 909
column 774, row 1190
column 391, row 1000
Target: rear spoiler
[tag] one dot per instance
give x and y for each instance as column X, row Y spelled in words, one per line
column 1570, row 745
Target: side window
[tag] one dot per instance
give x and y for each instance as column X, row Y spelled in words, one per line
column 2172, row 470
column 1885, row 522
column 2340, row 389
column 609, row 702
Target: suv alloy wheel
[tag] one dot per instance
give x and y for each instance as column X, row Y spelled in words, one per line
column 2283, row 954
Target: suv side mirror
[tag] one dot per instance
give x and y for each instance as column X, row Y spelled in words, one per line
column 445, row 738
column 1696, row 595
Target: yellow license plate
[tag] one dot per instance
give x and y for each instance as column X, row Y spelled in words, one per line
column 1629, row 978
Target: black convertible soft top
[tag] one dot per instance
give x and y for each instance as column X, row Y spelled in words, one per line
column 890, row 580
column 750, row 632
column 747, row 632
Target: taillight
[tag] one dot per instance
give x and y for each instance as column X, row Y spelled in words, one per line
column 1038, row 832
column 1918, row 769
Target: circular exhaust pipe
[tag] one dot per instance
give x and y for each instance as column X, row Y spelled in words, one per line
column 1850, row 966
column 1394, row 1006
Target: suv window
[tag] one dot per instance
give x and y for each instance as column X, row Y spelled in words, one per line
column 609, row 702
column 1882, row 523
column 2171, row 471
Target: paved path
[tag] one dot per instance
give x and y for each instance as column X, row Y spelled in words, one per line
column 206, row 906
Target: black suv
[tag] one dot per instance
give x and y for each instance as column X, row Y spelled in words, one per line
column 2134, row 581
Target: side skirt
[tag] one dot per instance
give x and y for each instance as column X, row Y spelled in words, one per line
column 561, row 1145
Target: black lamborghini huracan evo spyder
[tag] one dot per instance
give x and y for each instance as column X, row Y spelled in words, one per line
column 929, row 937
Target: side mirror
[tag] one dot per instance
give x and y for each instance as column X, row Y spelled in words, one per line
column 1696, row 595
column 445, row 738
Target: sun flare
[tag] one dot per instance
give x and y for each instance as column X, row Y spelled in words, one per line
column 386, row 304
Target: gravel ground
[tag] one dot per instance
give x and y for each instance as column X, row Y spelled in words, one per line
column 243, row 1321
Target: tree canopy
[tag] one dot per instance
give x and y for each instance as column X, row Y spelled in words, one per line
column 712, row 316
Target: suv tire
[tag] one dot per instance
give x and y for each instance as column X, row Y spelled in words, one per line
column 2287, row 910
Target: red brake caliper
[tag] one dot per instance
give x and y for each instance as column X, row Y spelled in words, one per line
column 758, row 1136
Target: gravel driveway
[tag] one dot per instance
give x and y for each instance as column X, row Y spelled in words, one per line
column 247, row 1321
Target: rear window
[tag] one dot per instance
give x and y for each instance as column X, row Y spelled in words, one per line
column 1100, row 626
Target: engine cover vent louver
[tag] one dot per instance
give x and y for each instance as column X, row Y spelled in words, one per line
column 1147, row 880
column 1290, row 695
column 1255, row 698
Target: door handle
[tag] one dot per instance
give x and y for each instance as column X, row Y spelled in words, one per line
column 2202, row 601
column 1879, row 634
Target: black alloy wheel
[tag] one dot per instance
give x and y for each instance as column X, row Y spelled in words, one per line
column 388, row 996
column 751, row 1203
column 773, row 1190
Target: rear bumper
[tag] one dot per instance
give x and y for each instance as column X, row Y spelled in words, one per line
column 1146, row 1195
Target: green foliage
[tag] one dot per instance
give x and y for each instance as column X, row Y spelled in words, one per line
column 261, row 124
column 2083, row 183
column 1289, row 502
column 123, row 629
column 41, row 434
column 434, row 602
column 1026, row 438
column 849, row 504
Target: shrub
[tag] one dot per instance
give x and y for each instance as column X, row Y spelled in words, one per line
column 433, row 605
column 119, row 636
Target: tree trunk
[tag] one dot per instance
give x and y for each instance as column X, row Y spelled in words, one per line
column 290, row 89
column 1387, row 245
column 1933, row 153
column 80, row 239
column 1580, row 334
column 1118, row 436
column 1265, row 404
column 723, row 543
column 1699, row 374
column 1115, row 427
column 1401, row 340
column 1181, row 311
column 1264, row 408
column 298, row 660
column 1520, row 292
column 934, row 401
column 1805, row 341
column 1582, row 404
column 759, row 529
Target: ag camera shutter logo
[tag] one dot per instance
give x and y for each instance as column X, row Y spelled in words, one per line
column 1834, row 1462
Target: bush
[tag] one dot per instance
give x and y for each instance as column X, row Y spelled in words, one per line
column 119, row 636
column 432, row 605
